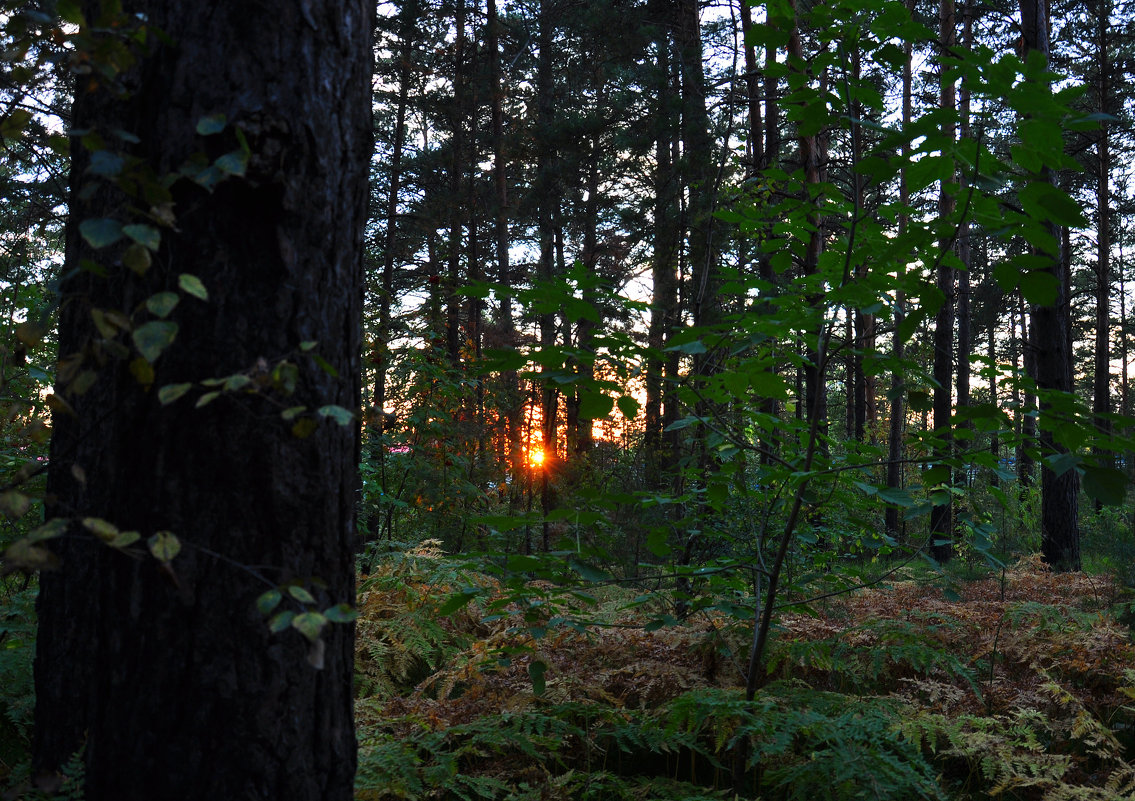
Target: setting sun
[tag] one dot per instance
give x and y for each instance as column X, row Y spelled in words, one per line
column 536, row 456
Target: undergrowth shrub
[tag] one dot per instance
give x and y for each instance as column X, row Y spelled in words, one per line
column 17, row 692
column 401, row 638
column 1019, row 686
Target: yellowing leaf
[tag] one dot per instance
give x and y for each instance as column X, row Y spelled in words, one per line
column 124, row 538
column 14, row 504
column 24, row 555
column 309, row 624
column 301, row 594
column 49, row 530
column 164, row 546
column 100, row 528
column 304, row 428
column 142, row 371
column 269, row 601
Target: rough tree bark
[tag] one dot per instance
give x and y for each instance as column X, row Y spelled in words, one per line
column 169, row 679
column 1052, row 360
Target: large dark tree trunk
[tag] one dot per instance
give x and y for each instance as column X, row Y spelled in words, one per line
column 167, row 676
column 1052, row 361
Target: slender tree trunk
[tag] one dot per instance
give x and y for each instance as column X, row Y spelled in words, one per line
column 1060, row 534
column 584, row 439
column 811, row 158
column 547, row 198
column 965, row 257
column 991, row 353
column 457, row 207
column 513, row 401
column 659, row 411
column 1101, row 386
column 898, row 411
column 164, row 673
column 755, row 143
column 700, row 181
column 1028, row 418
column 941, row 518
column 408, row 31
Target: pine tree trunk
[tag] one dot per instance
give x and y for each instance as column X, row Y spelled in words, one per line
column 1101, row 385
column 941, row 518
column 169, row 679
column 1052, row 361
column 659, row 410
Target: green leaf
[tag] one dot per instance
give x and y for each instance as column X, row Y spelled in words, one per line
column 161, row 304
column 692, row 348
column 281, row 621
column 325, row 366
column 100, row 233
column 206, row 399
column 235, row 163
column 124, row 539
column 171, row 392
column 588, row 572
column 536, row 671
column 69, row 11
column 308, row 345
column 336, row 413
column 1105, row 484
column 13, row 125
column 236, row 382
column 301, row 594
column 341, row 613
column 657, row 543
column 147, row 236
column 285, row 376
column 895, row 497
column 309, row 624
column 211, row 124
column 292, row 412
column 629, row 406
column 594, row 405
column 269, row 601
column 191, row 285
column 456, row 602
column 106, row 163
column 1043, row 201
column 164, row 546
column 153, row 337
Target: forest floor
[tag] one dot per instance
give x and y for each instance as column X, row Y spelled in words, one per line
column 1019, row 685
